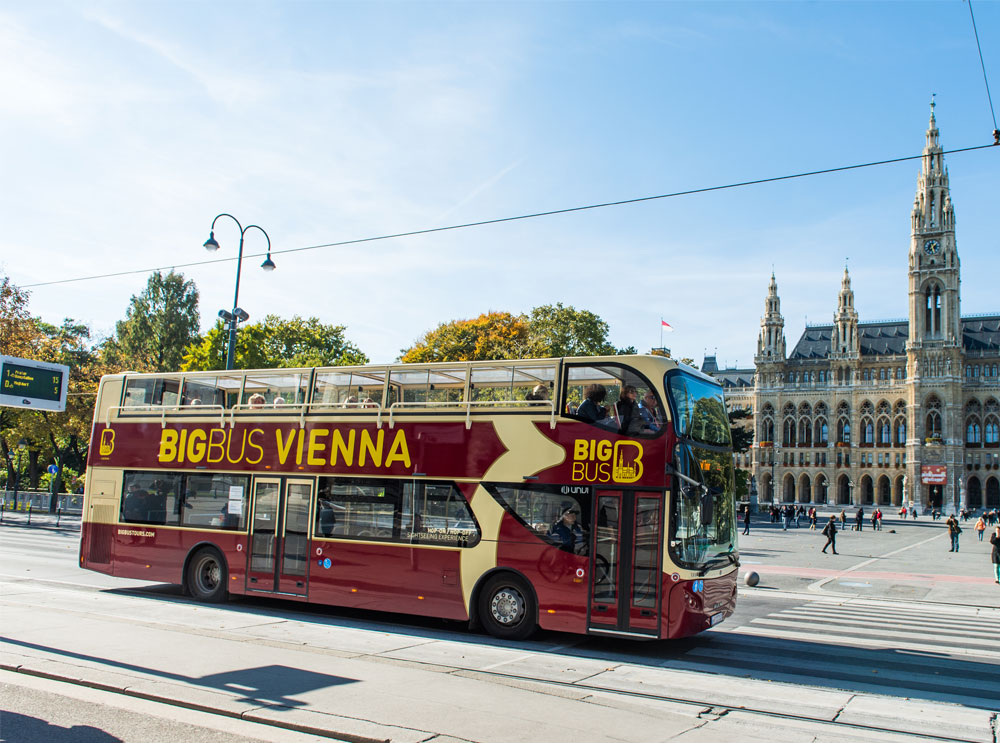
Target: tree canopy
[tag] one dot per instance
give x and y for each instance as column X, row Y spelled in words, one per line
column 547, row 331
column 275, row 343
column 159, row 325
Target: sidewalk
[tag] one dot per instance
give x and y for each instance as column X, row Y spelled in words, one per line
column 69, row 521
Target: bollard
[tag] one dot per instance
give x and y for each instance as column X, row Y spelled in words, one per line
column 29, row 514
column 58, row 516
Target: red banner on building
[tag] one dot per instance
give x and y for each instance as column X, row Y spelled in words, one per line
column 933, row 474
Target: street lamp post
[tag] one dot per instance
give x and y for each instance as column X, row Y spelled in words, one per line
column 774, row 459
column 237, row 315
column 21, row 446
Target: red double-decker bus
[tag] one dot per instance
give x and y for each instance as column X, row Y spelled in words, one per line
column 589, row 495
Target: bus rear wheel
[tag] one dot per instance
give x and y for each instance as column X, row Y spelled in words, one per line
column 507, row 608
column 206, row 578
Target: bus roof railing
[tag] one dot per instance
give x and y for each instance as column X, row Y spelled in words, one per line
column 469, row 404
column 164, row 409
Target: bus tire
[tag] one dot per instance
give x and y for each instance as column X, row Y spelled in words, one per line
column 207, row 576
column 507, row 607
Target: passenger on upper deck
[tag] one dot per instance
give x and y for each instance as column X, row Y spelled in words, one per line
column 540, row 392
column 652, row 418
column 278, row 402
column 591, row 409
column 626, row 411
column 256, row 400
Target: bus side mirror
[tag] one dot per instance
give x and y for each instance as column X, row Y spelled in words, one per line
column 708, row 507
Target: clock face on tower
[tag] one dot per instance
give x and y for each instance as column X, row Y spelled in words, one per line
column 932, row 247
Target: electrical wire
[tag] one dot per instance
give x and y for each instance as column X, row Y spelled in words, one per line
column 500, row 220
column 996, row 130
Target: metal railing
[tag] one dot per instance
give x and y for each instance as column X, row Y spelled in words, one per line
column 39, row 501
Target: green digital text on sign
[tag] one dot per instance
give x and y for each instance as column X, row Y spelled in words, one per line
column 41, row 384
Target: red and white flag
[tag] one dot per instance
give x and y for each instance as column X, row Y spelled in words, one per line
column 664, row 325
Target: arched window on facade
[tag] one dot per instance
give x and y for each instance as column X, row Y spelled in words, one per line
column 973, row 423
column 788, row 432
column 822, row 437
column 932, row 310
column 844, row 430
column 932, row 423
column 884, row 434
column 991, row 431
column 867, row 431
column 900, row 427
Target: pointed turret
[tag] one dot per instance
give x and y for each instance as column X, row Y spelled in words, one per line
column 844, row 341
column 771, row 342
column 932, row 210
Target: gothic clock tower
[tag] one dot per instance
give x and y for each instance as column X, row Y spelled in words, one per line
column 934, row 347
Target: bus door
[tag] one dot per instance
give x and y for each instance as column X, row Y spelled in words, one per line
column 279, row 536
column 626, row 562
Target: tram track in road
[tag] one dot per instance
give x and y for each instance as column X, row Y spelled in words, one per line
column 700, row 709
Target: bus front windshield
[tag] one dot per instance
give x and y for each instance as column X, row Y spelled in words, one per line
column 703, row 523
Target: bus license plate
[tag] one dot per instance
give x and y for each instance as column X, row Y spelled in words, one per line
column 716, row 618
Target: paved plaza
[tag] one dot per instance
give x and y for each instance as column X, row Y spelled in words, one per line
column 905, row 560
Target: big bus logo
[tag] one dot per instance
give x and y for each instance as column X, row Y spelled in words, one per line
column 107, row 445
column 602, row 461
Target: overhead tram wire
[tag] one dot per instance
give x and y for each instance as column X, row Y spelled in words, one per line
column 501, row 220
column 989, row 98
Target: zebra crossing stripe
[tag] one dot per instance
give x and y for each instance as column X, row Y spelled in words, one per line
column 938, row 628
column 878, row 639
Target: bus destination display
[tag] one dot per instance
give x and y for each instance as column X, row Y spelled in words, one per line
column 32, row 384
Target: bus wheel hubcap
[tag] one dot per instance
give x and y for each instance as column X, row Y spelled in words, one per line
column 507, row 606
column 209, row 575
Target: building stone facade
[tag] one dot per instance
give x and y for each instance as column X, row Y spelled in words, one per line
column 894, row 413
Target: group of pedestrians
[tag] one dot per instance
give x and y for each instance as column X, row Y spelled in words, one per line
column 785, row 514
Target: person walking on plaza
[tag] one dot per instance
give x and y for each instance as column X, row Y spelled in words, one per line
column 843, row 519
column 786, row 512
column 875, row 520
column 859, row 520
column 812, row 518
column 980, row 527
column 746, row 520
column 995, row 541
column 830, row 530
column 953, row 531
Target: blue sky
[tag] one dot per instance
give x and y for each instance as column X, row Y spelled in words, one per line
column 126, row 127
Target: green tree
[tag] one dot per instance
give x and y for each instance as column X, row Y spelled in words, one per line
column 275, row 343
column 741, row 429
column 63, row 438
column 159, row 325
column 493, row 335
column 555, row 330
column 19, row 336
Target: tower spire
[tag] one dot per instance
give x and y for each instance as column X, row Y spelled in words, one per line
column 844, row 341
column 771, row 342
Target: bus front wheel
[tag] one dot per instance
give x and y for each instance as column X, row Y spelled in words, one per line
column 507, row 608
column 206, row 578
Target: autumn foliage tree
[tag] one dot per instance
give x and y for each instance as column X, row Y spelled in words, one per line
column 547, row 331
column 493, row 335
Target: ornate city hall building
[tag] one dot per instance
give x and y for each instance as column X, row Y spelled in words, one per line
column 881, row 413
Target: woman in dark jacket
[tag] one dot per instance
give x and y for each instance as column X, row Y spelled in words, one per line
column 995, row 541
column 830, row 530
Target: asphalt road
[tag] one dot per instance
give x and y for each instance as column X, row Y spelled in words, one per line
column 895, row 634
